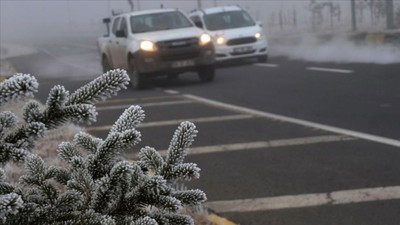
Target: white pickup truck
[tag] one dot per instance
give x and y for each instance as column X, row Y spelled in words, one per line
column 155, row 43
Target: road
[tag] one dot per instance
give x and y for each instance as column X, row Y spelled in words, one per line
column 287, row 142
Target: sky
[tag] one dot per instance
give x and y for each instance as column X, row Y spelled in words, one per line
column 36, row 18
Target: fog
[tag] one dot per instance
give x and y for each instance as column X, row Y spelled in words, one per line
column 339, row 50
column 41, row 21
column 24, row 20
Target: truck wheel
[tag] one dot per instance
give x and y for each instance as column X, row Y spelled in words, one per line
column 105, row 64
column 138, row 80
column 173, row 76
column 262, row 59
column 207, row 73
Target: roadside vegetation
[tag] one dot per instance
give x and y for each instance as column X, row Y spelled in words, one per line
column 52, row 172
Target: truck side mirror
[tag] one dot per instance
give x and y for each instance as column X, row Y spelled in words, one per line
column 259, row 23
column 120, row 34
column 198, row 24
column 106, row 20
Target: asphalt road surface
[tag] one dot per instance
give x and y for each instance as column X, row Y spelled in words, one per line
column 282, row 143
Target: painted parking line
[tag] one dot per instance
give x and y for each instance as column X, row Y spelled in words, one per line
column 260, row 144
column 150, row 104
column 266, row 65
column 177, row 122
column 364, row 136
column 332, row 70
column 307, row 200
column 172, row 92
column 270, row 144
column 132, row 100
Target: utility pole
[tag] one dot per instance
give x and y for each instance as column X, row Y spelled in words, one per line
column 199, row 4
column 215, row 3
column 131, row 4
column 389, row 14
column 353, row 15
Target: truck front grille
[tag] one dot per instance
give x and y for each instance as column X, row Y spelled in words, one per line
column 178, row 43
column 240, row 41
column 178, row 49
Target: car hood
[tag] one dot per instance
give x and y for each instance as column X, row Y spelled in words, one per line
column 236, row 32
column 172, row 34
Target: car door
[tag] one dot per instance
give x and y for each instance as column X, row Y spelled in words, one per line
column 122, row 44
column 113, row 43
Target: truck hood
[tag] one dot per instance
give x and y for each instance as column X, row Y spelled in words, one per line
column 237, row 32
column 172, row 34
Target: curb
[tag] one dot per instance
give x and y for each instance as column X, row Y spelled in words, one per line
column 378, row 37
column 6, row 70
column 8, row 50
column 383, row 38
column 217, row 220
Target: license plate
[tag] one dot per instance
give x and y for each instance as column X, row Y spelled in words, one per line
column 182, row 63
column 243, row 49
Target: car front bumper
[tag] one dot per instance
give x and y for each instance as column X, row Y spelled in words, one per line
column 232, row 52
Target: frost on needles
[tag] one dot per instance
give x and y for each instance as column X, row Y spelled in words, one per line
column 98, row 186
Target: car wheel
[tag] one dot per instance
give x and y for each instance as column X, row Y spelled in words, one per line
column 207, row 73
column 262, row 59
column 105, row 64
column 138, row 80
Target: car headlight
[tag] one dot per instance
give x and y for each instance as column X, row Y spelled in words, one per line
column 258, row 35
column 204, row 39
column 148, row 46
column 220, row 40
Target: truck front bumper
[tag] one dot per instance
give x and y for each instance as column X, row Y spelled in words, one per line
column 173, row 62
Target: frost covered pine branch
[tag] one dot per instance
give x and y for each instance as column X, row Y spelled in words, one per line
column 60, row 108
column 98, row 186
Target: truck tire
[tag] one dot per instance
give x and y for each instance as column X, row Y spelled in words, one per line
column 105, row 64
column 207, row 73
column 138, row 80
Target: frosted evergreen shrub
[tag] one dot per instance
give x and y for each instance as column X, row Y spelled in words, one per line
column 99, row 186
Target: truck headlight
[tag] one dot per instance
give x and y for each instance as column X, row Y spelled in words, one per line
column 258, row 35
column 204, row 39
column 148, row 46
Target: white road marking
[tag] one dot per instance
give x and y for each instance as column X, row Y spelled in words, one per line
column 176, row 122
column 269, row 144
column 365, row 136
column 260, row 144
column 150, row 104
column 329, row 70
column 266, row 65
column 307, row 200
column 131, row 100
column 173, row 92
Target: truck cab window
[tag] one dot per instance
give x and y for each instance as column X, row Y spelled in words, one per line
column 115, row 25
column 124, row 26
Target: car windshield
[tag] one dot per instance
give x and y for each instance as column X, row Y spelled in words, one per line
column 159, row 21
column 228, row 20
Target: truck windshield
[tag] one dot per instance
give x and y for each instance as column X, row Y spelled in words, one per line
column 228, row 20
column 159, row 21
